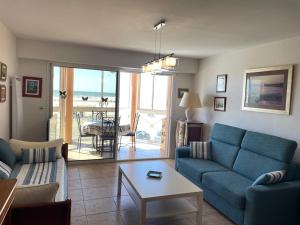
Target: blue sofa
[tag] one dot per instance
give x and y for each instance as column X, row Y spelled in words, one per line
column 238, row 158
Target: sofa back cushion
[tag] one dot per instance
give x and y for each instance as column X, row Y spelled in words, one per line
column 6, row 154
column 38, row 155
column 225, row 143
column 18, row 145
column 262, row 153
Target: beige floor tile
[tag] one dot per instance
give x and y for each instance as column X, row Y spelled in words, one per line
column 75, row 194
column 105, row 219
column 78, row 209
column 79, row 220
column 99, row 206
column 215, row 218
column 129, row 217
column 99, row 182
column 73, row 173
column 93, row 190
column 99, row 192
column 208, row 209
column 74, row 184
column 124, row 203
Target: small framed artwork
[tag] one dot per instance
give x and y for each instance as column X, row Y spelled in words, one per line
column 3, row 72
column 181, row 92
column 268, row 89
column 220, row 104
column 32, row 87
column 221, row 83
column 2, row 93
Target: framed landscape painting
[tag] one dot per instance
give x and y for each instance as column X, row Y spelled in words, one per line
column 32, row 87
column 268, row 89
column 221, row 83
column 220, row 104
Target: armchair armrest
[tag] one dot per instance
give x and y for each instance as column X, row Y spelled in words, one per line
column 273, row 204
column 182, row 152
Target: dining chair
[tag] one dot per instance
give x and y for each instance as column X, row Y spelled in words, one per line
column 82, row 134
column 132, row 132
column 108, row 133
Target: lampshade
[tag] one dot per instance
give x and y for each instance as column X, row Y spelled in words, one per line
column 190, row 100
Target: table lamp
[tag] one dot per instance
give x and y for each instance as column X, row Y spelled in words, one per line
column 190, row 101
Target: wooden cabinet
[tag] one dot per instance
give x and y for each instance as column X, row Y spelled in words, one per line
column 7, row 195
column 188, row 131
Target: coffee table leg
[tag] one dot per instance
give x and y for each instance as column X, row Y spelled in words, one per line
column 143, row 213
column 199, row 212
column 119, row 182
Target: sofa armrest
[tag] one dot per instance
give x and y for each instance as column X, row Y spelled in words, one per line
column 182, row 152
column 273, row 204
column 58, row 213
column 64, row 151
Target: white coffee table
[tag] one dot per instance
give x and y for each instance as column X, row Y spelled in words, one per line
column 157, row 198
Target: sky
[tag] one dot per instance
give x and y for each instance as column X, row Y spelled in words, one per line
column 89, row 80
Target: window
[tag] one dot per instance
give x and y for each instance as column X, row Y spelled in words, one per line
column 124, row 100
column 153, row 92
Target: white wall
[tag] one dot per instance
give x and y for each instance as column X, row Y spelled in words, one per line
column 177, row 113
column 36, row 110
column 234, row 64
column 7, row 56
column 35, row 58
column 72, row 53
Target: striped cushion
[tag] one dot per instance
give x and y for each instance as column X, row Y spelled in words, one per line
column 5, row 170
column 270, row 178
column 200, row 150
column 38, row 155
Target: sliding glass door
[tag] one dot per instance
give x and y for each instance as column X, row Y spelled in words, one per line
column 149, row 97
column 85, row 111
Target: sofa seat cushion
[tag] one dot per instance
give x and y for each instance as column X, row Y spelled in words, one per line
column 195, row 168
column 229, row 185
column 43, row 173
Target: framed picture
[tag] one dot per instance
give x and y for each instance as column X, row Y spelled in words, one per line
column 2, row 93
column 181, row 92
column 3, row 72
column 221, row 83
column 220, row 104
column 32, row 87
column 268, row 89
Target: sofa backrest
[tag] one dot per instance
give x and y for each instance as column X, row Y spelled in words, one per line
column 225, row 143
column 262, row 153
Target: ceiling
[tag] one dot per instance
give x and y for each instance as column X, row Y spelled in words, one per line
column 195, row 28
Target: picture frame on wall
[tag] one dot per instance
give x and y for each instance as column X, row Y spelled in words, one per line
column 221, row 83
column 2, row 93
column 268, row 89
column 181, row 92
column 220, row 104
column 3, row 72
column 32, row 87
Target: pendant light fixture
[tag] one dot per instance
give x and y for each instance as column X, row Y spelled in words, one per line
column 160, row 65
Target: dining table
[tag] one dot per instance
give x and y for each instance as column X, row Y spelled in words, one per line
column 96, row 127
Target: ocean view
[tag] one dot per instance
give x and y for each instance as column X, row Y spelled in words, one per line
column 79, row 94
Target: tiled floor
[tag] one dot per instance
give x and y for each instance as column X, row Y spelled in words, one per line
column 143, row 151
column 93, row 190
